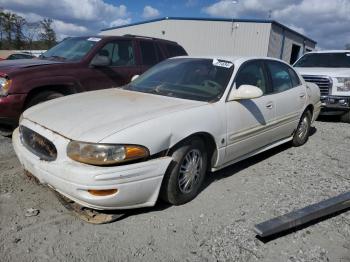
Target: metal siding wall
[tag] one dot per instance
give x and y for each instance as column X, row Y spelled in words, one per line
column 276, row 39
column 275, row 43
column 207, row 37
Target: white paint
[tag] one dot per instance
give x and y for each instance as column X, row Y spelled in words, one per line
column 240, row 129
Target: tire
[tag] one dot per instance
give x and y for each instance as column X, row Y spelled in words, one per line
column 345, row 117
column 301, row 134
column 179, row 186
column 42, row 97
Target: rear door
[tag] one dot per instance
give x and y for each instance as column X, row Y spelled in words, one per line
column 150, row 54
column 249, row 121
column 123, row 66
column 290, row 97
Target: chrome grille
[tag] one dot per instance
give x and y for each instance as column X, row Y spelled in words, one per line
column 323, row 82
column 37, row 144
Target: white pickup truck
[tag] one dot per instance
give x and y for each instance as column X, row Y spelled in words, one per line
column 330, row 70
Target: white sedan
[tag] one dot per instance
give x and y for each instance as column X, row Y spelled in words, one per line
column 159, row 135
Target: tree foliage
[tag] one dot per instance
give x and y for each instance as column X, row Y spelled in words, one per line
column 17, row 33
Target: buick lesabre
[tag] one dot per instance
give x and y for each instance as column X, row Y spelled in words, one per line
column 158, row 136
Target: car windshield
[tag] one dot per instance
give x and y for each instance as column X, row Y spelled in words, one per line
column 71, row 49
column 324, row 60
column 187, row 78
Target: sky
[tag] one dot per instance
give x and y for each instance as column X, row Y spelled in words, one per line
column 326, row 21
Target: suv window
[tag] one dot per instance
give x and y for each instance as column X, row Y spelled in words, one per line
column 252, row 73
column 148, row 52
column 175, row 50
column 119, row 53
column 281, row 80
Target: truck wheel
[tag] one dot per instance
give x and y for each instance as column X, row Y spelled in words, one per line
column 345, row 117
column 302, row 132
column 185, row 174
column 42, row 97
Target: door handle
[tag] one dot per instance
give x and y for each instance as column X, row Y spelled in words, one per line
column 269, row 106
column 302, row 95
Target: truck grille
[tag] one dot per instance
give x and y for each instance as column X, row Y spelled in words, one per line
column 37, row 144
column 323, row 82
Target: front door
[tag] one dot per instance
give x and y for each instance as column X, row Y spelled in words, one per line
column 122, row 66
column 249, row 120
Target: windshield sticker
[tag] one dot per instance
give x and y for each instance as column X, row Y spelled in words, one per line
column 94, row 39
column 225, row 64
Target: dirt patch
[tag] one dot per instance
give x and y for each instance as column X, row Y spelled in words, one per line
column 216, row 226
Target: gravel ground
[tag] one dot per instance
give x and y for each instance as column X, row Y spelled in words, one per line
column 216, row 226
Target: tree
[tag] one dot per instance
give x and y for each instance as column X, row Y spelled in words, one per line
column 18, row 25
column 47, row 35
column 1, row 25
column 347, row 46
column 8, row 25
column 31, row 33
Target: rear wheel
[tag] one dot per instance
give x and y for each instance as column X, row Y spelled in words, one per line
column 186, row 173
column 42, row 97
column 345, row 117
column 302, row 132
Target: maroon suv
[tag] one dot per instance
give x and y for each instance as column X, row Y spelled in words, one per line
column 76, row 65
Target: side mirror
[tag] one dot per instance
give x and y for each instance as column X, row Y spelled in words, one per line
column 245, row 92
column 100, row 61
column 134, row 77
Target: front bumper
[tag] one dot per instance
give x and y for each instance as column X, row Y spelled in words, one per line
column 11, row 108
column 335, row 104
column 138, row 184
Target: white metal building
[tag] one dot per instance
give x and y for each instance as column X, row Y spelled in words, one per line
column 223, row 36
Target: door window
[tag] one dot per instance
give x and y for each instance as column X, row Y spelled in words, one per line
column 281, row 80
column 148, row 52
column 252, row 73
column 119, row 53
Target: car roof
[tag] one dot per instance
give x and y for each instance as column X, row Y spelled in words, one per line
column 233, row 59
column 127, row 36
column 329, row 51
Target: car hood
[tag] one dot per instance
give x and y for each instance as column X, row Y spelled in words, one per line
column 327, row 71
column 7, row 66
column 93, row 116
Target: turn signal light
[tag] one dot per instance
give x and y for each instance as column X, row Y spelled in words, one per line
column 105, row 192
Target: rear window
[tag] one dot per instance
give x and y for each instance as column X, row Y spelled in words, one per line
column 148, row 52
column 175, row 50
column 324, row 60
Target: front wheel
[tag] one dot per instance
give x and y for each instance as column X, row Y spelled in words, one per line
column 185, row 174
column 302, row 132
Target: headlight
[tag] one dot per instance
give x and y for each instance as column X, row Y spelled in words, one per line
column 344, row 84
column 105, row 154
column 4, row 86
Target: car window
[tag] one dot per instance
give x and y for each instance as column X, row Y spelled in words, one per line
column 295, row 77
column 187, row 78
column 281, row 80
column 119, row 53
column 175, row 50
column 252, row 73
column 148, row 52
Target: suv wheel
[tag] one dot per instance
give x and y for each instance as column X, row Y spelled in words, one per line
column 42, row 97
column 345, row 117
